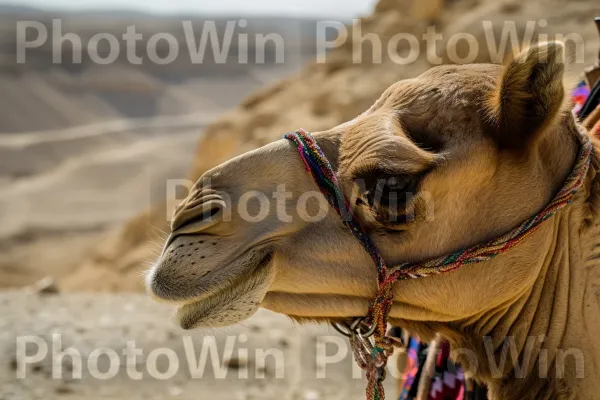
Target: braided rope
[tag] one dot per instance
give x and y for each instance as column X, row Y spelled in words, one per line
column 372, row 356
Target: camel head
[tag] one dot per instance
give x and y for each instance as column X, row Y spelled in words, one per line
column 456, row 156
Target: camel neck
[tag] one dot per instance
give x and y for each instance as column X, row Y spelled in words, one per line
column 543, row 345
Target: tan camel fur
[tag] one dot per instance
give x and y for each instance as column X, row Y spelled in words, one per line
column 454, row 157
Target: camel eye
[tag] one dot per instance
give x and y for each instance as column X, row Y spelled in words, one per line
column 388, row 194
column 424, row 139
column 389, row 191
column 396, row 183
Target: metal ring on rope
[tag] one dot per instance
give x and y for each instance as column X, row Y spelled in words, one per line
column 354, row 328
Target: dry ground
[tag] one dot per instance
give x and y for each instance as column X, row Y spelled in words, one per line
column 87, row 322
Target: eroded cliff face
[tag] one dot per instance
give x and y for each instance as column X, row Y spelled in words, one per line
column 326, row 94
column 53, row 86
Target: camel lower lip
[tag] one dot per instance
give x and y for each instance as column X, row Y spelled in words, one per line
column 228, row 307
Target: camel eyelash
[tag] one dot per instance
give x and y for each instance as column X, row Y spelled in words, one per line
column 377, row 189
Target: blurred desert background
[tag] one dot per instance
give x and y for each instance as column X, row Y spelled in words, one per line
column 86, row 151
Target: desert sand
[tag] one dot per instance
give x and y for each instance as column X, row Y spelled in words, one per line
column 86, row 322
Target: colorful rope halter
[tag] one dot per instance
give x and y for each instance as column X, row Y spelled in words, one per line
column 372, row 354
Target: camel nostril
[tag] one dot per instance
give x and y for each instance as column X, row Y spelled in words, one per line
column 206, row 216
column 197, row 218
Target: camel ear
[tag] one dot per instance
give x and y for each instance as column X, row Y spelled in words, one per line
column 530, row 94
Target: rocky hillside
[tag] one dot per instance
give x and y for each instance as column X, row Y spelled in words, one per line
column 57, row 84
column 326, row 94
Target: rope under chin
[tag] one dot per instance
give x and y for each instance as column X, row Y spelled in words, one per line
column 371, row 354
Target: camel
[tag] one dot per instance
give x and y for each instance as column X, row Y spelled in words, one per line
column 480, row 148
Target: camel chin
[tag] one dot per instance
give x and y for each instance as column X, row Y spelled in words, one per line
column 236, row 304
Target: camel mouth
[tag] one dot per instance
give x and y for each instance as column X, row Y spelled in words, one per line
column 231, row 305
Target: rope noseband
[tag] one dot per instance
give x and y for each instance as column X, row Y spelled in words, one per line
column 367, row 335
